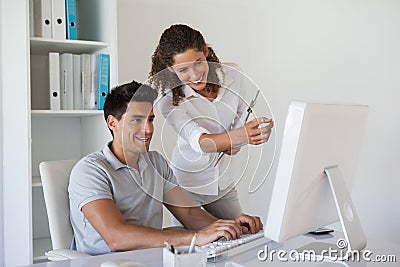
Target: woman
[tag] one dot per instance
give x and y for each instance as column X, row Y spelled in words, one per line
column 201, row 100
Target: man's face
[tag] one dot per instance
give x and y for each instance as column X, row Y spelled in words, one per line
column 135, row 128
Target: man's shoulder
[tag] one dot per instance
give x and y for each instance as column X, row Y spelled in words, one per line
column 91, row 161
column 93, row 158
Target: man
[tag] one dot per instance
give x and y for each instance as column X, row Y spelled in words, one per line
column 116, row 195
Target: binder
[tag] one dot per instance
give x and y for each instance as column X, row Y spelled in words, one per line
column 59, row 31
column 70, row 11
column 85, row 80
column 93, row 81
column 54, row 80
column 103, row 79
column 87, row 76
column 66, row 88
column 77, row 82
column 42, row 18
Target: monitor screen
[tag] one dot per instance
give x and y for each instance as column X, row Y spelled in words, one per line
column 316, row 137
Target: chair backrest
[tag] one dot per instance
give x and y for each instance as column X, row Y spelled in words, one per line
column 55, row 180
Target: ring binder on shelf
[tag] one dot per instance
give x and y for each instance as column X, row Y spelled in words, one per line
column 91, row 95
column 42, row 18
column 70, row 9
column 54, row 80
column 103, row 79
column 58, row 19
column 66, row 70
column 86, row 77
column 77, row 82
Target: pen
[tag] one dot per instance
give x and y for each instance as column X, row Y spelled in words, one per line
column 173, row 250
column 249, row 111
column 222, row 153
column 192, row 244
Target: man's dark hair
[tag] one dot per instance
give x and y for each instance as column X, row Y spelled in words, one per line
column 118, row 98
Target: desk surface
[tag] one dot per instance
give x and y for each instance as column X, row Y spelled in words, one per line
column 153, row 257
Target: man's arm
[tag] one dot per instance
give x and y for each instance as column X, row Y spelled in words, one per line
column 108, row 221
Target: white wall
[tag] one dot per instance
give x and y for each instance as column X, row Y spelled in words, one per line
column 140, row 24
column 344, row 51
column 341, row 51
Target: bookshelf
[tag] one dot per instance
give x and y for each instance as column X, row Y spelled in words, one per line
column 42, row 46
column 66, row 134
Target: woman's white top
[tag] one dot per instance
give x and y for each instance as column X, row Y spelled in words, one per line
column 196, row 115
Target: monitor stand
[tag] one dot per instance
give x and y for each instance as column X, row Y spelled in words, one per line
column 354, row 239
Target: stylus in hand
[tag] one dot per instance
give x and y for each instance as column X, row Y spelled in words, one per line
column 249, row 111
column 192, row 244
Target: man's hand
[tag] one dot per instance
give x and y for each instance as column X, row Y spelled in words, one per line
column 230, row 229
column 221, row 228
column 249, row 224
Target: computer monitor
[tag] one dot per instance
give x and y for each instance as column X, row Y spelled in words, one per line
column 317, row 164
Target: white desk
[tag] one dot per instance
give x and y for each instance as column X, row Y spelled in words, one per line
column 153, row 257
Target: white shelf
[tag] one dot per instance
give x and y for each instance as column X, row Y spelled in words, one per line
column 66, row 113
column 42, row 46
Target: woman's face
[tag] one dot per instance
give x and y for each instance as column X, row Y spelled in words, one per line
column 191, row 68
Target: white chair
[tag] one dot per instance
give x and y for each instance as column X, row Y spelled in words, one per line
column 55, row 179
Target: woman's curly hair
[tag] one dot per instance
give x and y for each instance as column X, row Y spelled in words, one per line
column 175, row 40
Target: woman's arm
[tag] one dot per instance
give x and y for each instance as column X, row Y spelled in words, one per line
column 201, row 139
column 250, row 133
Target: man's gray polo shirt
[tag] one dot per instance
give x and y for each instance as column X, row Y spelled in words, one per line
column 137, row 194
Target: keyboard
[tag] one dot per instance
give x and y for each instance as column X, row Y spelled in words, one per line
column 222, row 248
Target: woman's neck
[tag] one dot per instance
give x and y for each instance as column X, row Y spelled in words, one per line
column 208, row 94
